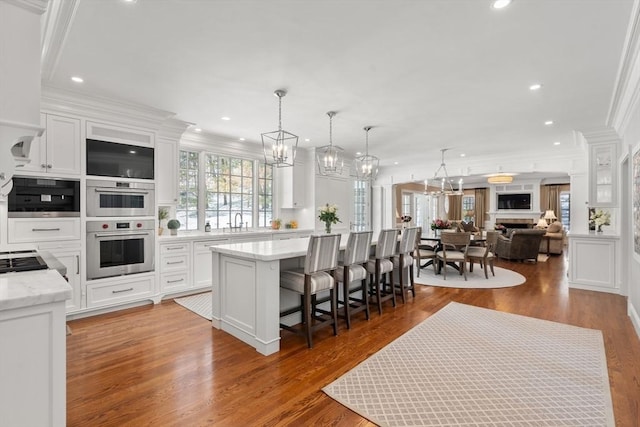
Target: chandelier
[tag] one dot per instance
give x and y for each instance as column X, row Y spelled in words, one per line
column 443, row 182
column 366, row 166
column 279, row 146
column 330, row 157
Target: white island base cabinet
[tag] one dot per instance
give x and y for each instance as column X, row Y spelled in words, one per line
column 593, row 262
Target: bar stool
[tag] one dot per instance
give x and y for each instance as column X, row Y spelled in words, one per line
column 380, row 265
column 424, row 251
column 403, row 260
column 351, row 270
column 317, row 275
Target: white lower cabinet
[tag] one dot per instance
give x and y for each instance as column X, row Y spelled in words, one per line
column 202, row 261
column 593, row 262
column 174, row 267
column 71, row 260
column 123, row 289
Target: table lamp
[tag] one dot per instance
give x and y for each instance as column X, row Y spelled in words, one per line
column 550, row 216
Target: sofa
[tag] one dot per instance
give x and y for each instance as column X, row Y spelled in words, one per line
column 520, row 244
column 554, row 237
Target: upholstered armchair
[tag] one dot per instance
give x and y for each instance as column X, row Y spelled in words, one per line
column 554, row 238
column 521, row 244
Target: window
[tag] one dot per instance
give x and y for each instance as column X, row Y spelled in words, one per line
column 361, row 205
column 228, row 191
column 265, row 194
column 565, row 209
column 468, row 208
column 187, row 209
column 224, row 191
column 407, row 206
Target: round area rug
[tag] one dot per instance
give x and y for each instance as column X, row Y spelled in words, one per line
column 503, row 279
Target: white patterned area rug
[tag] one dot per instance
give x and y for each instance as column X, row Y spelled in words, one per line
column 503, row 278
column 470, row 366
column 199, row 304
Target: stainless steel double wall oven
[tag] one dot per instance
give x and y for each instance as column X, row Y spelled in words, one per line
column 120, row 212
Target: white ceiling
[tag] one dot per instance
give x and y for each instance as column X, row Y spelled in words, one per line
column 426, row 74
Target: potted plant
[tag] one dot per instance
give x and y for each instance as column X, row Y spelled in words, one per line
column 276, row 223
column 173, row 225
column 163, row 214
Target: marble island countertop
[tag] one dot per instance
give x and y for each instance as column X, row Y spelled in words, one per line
column 31, row 288
column 271, row 250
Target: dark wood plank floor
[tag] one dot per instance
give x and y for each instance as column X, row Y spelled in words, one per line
column 163, row 365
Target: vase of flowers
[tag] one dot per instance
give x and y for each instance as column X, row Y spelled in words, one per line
column 329, row 215
column 600, row 218
column 437, row 225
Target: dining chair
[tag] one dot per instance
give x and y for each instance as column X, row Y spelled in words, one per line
column 403, row 262
column 352, row 269
column 424, row 251
column 454, row 250
column 318, row 275
column 484, row 255
column 381, row 265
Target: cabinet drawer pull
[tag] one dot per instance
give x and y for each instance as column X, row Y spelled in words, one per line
column 173, row 248
column 174, row 262
column 45, row 229
column 175, row 281
column 122, row 290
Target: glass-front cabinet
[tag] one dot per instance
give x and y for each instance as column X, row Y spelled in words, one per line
column 602, row 174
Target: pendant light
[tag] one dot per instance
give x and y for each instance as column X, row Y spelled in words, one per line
column 279, row 146
column 330, row 157
column 366, row 166
column 444, row 182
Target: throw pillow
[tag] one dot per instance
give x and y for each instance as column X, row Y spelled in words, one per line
column 554, row 227
column 469, row 227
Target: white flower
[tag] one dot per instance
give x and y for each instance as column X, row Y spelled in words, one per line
column 600, row 217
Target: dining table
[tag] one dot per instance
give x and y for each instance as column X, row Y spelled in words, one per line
column 434, row 237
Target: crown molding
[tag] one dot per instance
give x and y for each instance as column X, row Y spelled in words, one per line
column 34, row 6
column 57, row 24
column 102, row 108
column 627, row 86
column 173, row 129
column 600, row 134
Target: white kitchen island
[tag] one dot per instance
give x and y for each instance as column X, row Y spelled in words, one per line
column 246, row 288
column 33, row 348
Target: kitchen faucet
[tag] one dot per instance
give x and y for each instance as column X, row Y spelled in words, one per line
column 235, row 221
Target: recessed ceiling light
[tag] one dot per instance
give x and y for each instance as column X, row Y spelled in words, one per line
column 548, row 122
column 395, row 163
column 307, row 140
column 500, row 4
column 556, row 143
column 198, row 130
column 536, row 86
column 241, row 139
column 77, row 79
column 358, row 153
column 129, row 1
column 462, row 154
column 225, row 118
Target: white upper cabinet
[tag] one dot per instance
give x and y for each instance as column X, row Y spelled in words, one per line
column 603, row 159
column 57, row 151
column 291, row 185
column 166, row 172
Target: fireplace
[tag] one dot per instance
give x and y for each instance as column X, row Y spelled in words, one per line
column 515, row 222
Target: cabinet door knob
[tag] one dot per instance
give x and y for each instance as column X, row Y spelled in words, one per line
column 43, row 166
column 49, row 166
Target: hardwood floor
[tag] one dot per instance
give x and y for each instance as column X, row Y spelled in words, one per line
column 164, row 365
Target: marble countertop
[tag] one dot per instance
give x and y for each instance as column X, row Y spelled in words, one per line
column 220, row 234
column 31, row 288
column 593, row 235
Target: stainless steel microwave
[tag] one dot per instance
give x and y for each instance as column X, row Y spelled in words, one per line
column 119, row 160
column 114, row 198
